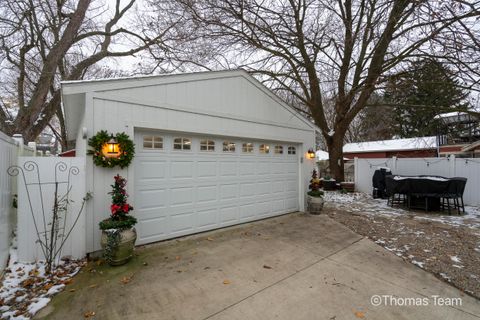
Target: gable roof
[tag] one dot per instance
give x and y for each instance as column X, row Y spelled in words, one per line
column 392, row 145
column 74, row 91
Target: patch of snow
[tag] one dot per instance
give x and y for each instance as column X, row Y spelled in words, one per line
column 364, row 204
column 457, row 266
column 55, row 289
column 418, row 263
column 455, row 259
column 322, row 155
column 394, row 144
column 23, row 289
column 37, row 305
column 444, row 276
column 433, row 178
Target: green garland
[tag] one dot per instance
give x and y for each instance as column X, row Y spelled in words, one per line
column 126, row 146
column 113, row 240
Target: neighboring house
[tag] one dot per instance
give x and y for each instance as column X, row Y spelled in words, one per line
column 402, row 148
column 213, row 149
column 422, row 147
column 459, row 134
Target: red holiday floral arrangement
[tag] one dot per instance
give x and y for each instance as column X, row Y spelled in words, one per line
column 119, row 216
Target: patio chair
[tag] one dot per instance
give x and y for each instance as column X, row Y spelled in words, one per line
column 454, row 193
column 428, row 190
column 393, row 191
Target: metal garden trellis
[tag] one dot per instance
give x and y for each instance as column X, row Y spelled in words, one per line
column 52, row 232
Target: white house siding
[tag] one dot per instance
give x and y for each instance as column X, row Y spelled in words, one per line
column 233, row 106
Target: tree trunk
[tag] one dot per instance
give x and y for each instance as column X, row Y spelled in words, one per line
column 28, row 118
column 335, row 152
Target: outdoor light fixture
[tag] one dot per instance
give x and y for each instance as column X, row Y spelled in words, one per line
column 111, row 148
column 311, row 153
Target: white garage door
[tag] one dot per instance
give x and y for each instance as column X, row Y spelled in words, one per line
column 186, row 184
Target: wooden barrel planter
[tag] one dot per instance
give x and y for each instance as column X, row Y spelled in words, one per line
column 315, row 204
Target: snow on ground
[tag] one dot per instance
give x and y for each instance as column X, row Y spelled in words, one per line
column 455, row 259
column 26, row 288
column 362, row 203
column 446, row 245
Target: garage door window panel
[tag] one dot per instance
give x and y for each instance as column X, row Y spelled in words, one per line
column 278, row 149
column 228, row 146
column 153, row 142
column 264, row 148
column 207, row 145
column 247, row 147
column 182, row 144
column 292, row 150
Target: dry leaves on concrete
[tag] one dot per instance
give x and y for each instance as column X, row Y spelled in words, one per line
column 89, row 314
column 359, row 314
column 126, row 279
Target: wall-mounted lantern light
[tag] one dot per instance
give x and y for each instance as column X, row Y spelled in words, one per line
column 311, row 153
column 111, row 149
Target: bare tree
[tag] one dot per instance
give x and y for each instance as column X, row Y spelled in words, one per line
column 318, row 50
column 45, row 41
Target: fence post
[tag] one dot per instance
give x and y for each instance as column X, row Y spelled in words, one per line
column 394, row 160
column 355, row 169
column 452, row 165
column 19, row 140
column 33, row 145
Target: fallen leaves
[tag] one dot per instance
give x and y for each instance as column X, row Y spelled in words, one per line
column 28, row 283
column 89, row 314
column 47, row 286
column 267, row 267
column 209, row 239
column 34, row 273
column 92, row 286
column 226, row 281
column 359, row 314
column 126, row 279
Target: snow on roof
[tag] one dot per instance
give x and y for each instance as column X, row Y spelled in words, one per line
column 449, row 114
column 392, row 145
column 321, row 155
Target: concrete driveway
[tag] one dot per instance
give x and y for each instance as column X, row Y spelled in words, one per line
column 291, row 267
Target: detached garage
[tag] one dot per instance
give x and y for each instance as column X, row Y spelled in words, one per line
column 212, row 149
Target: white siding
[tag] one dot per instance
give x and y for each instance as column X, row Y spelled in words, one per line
column 233, row 106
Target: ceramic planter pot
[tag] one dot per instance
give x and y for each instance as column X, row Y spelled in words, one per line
column 315, row 204
column 122, row 250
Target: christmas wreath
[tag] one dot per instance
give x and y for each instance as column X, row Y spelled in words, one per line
column 126, row 149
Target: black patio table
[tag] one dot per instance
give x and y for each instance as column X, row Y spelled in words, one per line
column 421, row 192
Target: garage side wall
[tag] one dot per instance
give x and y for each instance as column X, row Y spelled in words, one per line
column 103, row 113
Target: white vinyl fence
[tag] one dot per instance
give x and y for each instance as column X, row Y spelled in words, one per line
column 38, row 178
column 447, row 167
column 9, row 151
